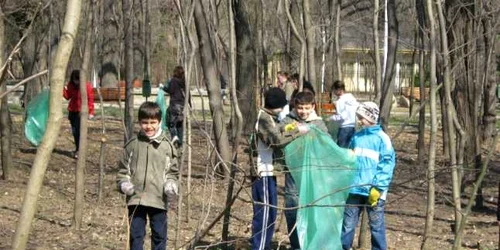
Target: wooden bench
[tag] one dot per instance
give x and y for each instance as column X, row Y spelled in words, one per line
column 110, row 94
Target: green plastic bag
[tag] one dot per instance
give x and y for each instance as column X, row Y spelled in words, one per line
column 323, row 173
column 37, row 114
column 160, row 100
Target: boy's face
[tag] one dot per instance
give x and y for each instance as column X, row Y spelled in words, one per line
column 338, row 92
column 363, row 122
column 304, row 110
column 149, row 126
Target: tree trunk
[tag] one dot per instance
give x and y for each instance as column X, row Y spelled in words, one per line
column 376, row 54
column 213, row 86
column 5, row 132
column 420, row 5
column 31, row 88
column 70, row 27
column 128, row 25
column 387, row 87
column 5, row 122
column 84, row 114
column 429, row 221
column 490, row 81
column 246, row 65
column 110, row 46
column 310, row 35
column 303, row 45
column 238, row 119
column 450, row 113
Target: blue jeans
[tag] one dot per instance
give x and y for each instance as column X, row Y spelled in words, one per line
column 74, row 120
column 291, row 200
column 157, row 221
column 344, row 136
column 375, row 217
column 264, row 217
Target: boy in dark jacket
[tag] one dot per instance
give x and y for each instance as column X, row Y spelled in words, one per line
column 148, row 176
column 176, row 88
column 267, row 142
column 302, row 114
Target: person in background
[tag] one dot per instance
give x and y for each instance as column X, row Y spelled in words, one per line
column 267, row 141
column 303, row 114
column 148, row 175
column 71, row 92
column 176, row 88
column 345, row 106
column 376, row 161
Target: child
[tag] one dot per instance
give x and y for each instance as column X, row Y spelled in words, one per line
column 267, row 143
column 176, row 88
column 376, row 162
column 346, row 114
column 303, row 113
column 71, row 92
column 148, row 176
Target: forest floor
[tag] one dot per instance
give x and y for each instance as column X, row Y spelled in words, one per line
column 105, row 227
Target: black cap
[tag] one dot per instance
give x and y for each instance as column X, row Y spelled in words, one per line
column 275, row 98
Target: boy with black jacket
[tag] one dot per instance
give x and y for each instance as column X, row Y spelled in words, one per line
column 267, row 143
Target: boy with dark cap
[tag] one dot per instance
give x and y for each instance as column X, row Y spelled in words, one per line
column 267, row 142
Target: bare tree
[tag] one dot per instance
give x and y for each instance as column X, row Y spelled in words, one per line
column 246, row 81
column 5, row 122
column 376, row 47
column 70, row 27
column 432, row 144
column 310, row 35
column 389, row 72
column 84, row 114
column 128, row 25
column 212, row 84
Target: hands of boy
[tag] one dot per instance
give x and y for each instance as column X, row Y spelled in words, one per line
column 160, row 85
column 373, row 197
column 171, row 189
column 303, row 128
column 127, row 188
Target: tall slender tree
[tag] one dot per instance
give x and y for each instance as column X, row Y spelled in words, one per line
column 70, row 28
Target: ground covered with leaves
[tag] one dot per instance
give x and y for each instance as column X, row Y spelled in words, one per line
column 105, row 223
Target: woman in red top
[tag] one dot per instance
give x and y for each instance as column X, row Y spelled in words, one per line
column 72, row 93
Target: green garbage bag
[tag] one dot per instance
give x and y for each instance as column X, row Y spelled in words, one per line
column 323, row 173
column 37, row 114
column 160, row 100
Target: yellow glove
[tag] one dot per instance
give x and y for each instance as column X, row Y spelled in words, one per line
column 373, row 197
column 291, row 126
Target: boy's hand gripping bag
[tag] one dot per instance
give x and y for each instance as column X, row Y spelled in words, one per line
column 37, row 114
column 160, row 100
column 323, row 173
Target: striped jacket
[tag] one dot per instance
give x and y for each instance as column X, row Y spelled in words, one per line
column 376, row 160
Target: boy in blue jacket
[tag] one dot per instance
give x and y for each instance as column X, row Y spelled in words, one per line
column 376, row 160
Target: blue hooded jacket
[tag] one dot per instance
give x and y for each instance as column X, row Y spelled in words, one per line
column 376, row 160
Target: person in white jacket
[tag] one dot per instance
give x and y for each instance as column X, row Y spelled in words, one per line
column 345, row 106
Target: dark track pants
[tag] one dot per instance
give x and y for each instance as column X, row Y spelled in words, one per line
column 264, row 217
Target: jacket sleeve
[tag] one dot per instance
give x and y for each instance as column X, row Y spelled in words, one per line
column 322, row 126
column 90, row 98
column 124, row 166
column 272, row 135
column 67, row 91
column 172, row 166
column 385, row 166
